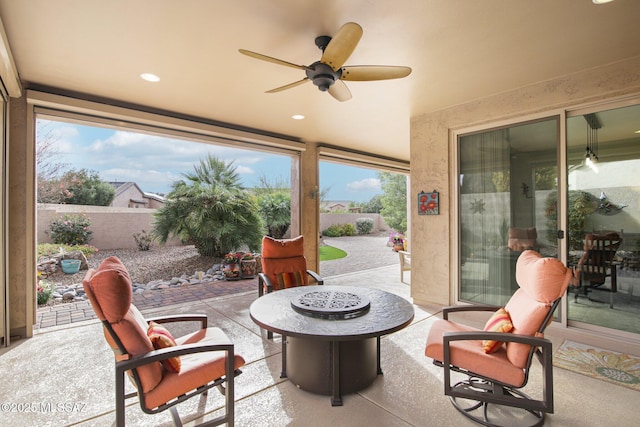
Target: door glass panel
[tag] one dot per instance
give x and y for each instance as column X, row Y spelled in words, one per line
column 603, row 152
column 508, row 203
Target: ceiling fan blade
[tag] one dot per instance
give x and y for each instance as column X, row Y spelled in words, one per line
column 374, row 72
column 342, row 45
column 289, row 86
column 273, row 60
column 340, row 91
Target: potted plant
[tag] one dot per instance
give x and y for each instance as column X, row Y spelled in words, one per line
column 44, row 292
column 231, row 266
column 248, row 266
column 397, row 241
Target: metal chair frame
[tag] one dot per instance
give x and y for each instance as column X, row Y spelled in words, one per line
column 597, row 264
column 486, row 390
column 225, row 384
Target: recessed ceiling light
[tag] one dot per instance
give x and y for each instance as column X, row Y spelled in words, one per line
column 602, row 1
column 297, row 117
column 149, row 77
column 638, row 131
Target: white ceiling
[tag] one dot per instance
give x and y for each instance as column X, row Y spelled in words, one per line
column 459, row 50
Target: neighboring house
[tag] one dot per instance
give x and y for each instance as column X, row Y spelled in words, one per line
column 335, row 206
column 154, row 201
column 129, row 195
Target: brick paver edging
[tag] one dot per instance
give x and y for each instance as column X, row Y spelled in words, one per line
column 65, row 313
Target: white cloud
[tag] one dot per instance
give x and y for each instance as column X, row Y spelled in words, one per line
column 151, row 161
column 244, row 170
column 367, row 184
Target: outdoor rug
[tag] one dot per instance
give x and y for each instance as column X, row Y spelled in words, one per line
column 606, row 365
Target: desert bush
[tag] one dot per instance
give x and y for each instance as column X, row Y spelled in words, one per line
column 337, row 230
column 143, row 240
column 364, row 225
column 70, row 230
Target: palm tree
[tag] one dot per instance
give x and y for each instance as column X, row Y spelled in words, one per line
column 212, row 210
column 275, row 209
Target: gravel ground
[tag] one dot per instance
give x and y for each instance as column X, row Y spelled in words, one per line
column 145, row 266
column 164, row 263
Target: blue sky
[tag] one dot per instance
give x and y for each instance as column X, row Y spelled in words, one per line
column 154, row 162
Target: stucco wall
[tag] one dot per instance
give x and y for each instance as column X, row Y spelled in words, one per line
column 432, row 166
column 21, row 303
column 328, row 219
column 113, row 228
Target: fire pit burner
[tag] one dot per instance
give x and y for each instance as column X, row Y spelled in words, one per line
column 331, row 304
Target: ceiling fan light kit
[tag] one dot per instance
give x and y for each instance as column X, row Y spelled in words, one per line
column 328, row 73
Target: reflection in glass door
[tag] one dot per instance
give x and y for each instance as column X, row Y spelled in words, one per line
column 507, row 203
column 603, row 155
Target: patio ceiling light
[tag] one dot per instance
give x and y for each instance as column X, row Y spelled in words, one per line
column 149, row 77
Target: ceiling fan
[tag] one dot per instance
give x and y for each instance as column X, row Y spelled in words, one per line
column 328, row 72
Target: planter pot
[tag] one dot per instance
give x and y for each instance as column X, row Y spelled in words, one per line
column 248, row 267
column 70, row 266
column 231, row 271
column 398, row 248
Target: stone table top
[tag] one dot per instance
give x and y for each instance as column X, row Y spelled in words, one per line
column 387, row 313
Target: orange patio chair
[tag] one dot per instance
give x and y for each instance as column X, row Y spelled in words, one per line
column 496, row 361
column 164, row 370
column 284, row 266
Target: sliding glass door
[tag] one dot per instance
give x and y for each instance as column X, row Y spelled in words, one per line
column 508, row 202
column 603, row 156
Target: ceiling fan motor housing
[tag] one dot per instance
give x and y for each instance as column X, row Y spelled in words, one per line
column 323, row 75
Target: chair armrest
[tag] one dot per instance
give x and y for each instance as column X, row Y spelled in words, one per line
column 498, row 336
column 166, row 353
column 263, row 280
column 460, row 308
column 541, row 346
column 316, row 277
column 202, row 318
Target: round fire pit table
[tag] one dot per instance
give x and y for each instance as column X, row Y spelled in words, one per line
column 332, row 334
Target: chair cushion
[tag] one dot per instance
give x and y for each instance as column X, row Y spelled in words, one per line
column 132, row 332
column 282, row 248
column 109, row 289
column 197, row 368
column 284, row 263
column 161, row 338
column 470, row 354
column 542, row 281
column 498, row 322
column 291, row 279
column 110, row 292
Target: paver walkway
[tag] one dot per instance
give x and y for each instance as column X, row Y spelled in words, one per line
column 65, row 313
column 363, row 252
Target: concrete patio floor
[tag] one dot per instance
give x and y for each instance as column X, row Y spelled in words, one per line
column 64, row 376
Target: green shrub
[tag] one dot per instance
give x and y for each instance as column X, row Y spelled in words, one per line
column 364, row 225
column 332, row 231
column 348, row 230
column 48, row 249
column 143, row 240
column 70, row 230
column 337, row 230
